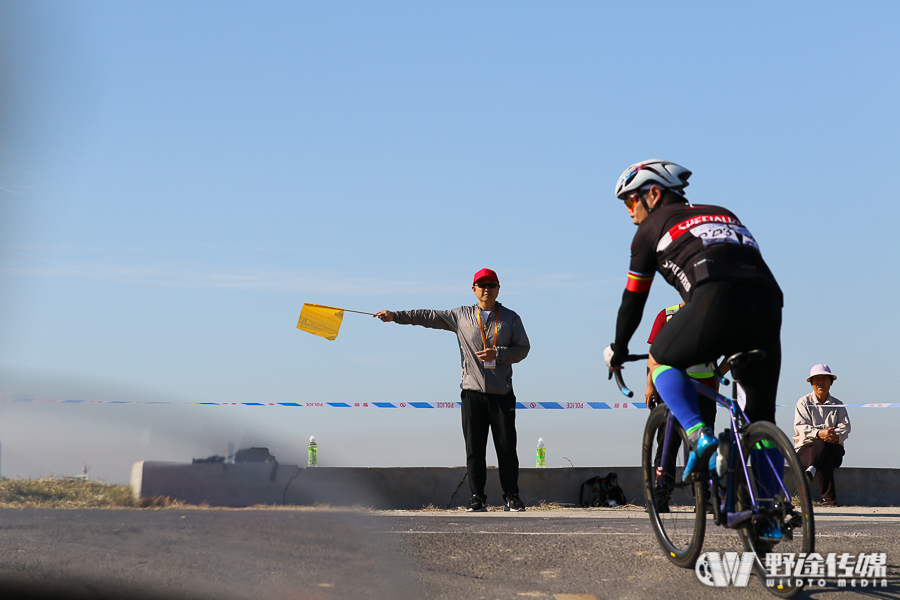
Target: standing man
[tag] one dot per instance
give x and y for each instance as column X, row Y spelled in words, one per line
column 491, row 339
column 821, row 426
column 732, row 301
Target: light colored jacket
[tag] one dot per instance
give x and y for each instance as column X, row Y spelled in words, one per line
column 512, row 343
column 810, row 417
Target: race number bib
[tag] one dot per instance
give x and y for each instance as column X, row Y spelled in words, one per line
column 723, row 233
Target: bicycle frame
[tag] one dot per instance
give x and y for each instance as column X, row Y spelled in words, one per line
column 724, row 515
column 739, row 423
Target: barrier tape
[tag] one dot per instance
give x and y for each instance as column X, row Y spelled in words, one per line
column 519, row 405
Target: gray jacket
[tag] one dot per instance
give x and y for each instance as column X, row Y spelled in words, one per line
column 810, row 417
column 512, row 343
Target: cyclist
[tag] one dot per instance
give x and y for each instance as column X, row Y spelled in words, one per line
column 732, row 301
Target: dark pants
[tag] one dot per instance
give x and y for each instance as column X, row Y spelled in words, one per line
column 825, row 458
column 498, row 412
column 721, row 319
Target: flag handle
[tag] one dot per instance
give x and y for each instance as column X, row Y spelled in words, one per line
column 343, row 309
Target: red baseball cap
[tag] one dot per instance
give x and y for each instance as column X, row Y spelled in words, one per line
column 485, row 274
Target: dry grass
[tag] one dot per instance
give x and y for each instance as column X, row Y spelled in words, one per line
column 70, row 492
column 543, row 506
column 562, row 506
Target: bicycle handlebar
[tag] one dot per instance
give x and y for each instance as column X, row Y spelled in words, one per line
column 736, row 361
column 618, row 373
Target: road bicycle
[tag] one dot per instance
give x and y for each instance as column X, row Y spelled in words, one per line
column 758, row 487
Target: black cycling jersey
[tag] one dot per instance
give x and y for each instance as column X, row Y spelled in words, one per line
column 689, row 245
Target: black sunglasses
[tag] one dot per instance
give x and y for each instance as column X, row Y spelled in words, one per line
column 487, row 285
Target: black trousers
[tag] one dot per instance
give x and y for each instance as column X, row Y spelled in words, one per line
column 496, row 412
column 825, row 458
column 721, row 319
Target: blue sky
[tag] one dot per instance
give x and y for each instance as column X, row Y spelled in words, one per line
column 177, row 179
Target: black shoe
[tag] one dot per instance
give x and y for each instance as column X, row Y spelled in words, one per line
column 477, row 504
column 513, row 503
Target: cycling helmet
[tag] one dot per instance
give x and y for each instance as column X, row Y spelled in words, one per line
column 663, row 173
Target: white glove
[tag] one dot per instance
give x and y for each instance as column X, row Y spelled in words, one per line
column 607, row 354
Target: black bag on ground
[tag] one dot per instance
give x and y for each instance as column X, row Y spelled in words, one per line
column 602, row 491
column 254, row 455
column 211, row 460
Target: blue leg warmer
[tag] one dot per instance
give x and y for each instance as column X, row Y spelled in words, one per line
column 679, row 394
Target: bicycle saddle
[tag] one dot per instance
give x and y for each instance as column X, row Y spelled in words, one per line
column 742, row 359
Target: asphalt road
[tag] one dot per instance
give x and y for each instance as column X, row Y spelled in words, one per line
column 295, row 554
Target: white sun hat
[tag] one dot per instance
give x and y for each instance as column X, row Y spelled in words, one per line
column 822, row 369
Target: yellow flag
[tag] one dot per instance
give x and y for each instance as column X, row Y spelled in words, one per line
column 324, row 321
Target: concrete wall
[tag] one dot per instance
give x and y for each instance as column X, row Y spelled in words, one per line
column 249, row 484
column 858, row 486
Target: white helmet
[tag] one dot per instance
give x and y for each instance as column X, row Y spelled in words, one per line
column 663, row 173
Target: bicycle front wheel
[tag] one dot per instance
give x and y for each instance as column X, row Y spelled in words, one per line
column 677, row 509
column 780, row 502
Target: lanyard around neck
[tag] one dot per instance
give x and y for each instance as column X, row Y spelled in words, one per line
column 481, row 327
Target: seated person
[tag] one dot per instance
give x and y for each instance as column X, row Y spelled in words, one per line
column 821, row 426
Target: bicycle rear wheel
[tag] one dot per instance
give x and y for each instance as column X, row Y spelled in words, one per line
column 676, row 509
column 782, row 503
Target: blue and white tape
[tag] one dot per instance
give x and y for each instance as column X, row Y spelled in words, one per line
column 519, row 405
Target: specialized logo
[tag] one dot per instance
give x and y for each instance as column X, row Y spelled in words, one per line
column 679, row 273
column 721, row 570
column 680, row 229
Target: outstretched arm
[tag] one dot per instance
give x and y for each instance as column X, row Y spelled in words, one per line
column 433, row 319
